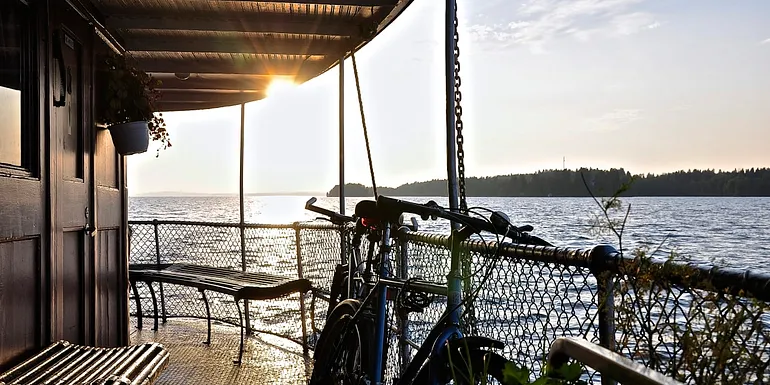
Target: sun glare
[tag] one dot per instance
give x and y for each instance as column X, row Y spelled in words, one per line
column 279, row 86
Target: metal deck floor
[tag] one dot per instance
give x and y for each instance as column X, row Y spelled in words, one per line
column 266, row 360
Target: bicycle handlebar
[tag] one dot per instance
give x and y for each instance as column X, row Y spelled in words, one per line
column 391, row 209
column 335, row 218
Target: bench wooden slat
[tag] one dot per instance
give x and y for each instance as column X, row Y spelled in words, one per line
column 242, row 285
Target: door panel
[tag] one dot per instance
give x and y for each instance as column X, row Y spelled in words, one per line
column 19, row 287
column 73, row 278
column 110, row 298
column 71, row 134
column 107, row 171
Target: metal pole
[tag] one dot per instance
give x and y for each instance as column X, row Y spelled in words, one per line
column 243, row 221
column 157, row 260
column 300, row 275
column 343, row 232
column 449, row 67
column 405, row 352
column 601, row 256
column 342, row 135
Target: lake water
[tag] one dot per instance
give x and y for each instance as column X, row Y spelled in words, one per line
column 732, row 232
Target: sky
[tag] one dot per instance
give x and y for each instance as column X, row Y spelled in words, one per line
column 652, row 86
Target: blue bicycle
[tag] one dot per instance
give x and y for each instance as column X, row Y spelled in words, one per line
column 351, row 348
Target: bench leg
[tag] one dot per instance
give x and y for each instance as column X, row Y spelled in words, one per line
column 208, row 316
column 138, row 305
column 154, row 305
column 304, row 326
column 162, row 303
column 240, row 320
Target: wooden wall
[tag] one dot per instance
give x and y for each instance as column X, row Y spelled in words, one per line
column 63, row 262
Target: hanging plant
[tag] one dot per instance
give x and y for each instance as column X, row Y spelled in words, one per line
column 130, row 95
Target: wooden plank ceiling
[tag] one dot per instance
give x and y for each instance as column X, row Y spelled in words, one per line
column 215, row 53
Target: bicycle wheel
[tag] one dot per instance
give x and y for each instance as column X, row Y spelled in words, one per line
column 476, row 367
column 341, row 353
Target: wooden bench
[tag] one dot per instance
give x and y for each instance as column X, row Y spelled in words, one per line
column 241, row 285
column 66, row 363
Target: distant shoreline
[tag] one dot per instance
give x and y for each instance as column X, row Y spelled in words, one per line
column 754, row 182
column 223, row 195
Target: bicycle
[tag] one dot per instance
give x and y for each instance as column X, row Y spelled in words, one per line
column 351, row 348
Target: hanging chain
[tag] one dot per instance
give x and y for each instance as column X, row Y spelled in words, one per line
column 363, row 122
column 459, row 118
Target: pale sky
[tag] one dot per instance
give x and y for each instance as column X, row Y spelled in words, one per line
column 647, row 85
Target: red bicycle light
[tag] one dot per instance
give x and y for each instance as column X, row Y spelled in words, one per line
column 368, row 222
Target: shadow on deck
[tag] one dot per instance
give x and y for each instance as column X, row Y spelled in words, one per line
column 267, row 359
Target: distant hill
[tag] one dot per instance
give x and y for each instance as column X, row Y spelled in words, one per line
column 568, row 183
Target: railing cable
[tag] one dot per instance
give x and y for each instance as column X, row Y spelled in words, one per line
column 363, row 123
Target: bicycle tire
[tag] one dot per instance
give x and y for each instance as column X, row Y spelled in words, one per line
column 337, row 340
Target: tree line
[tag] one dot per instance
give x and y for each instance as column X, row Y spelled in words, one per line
column 578, row 183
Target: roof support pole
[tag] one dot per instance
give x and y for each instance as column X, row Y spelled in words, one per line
column 451, row 148
column 342, row 134
column 343, row 234
column 243, row 219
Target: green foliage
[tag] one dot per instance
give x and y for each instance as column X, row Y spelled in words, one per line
column 570, row 183
column 568, row 374
column 462, row 371
column 129, row 95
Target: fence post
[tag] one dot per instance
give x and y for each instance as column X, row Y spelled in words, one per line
column 246, row 312
column 157, row 261
column 298, row 242
column 403, row 318
column 605, row 284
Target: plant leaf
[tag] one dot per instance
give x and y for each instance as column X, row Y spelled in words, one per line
column 515, row 375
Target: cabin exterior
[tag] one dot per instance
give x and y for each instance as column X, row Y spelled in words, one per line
column 63, row 193
column 62, row 188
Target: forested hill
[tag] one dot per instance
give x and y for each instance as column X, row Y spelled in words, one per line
column 568, row 183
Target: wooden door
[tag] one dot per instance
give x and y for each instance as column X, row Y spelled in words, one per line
column 72, row 265
column 24, row 235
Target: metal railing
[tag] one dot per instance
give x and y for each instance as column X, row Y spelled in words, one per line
column 696, row 324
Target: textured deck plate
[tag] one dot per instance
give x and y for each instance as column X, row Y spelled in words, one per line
column 267, row 359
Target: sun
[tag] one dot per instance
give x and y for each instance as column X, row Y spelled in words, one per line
column 279, row 86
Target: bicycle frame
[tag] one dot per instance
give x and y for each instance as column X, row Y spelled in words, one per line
column 443, row 331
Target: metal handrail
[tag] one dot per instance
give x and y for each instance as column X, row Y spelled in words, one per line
column 301, row 224
column 604, row 361
column 603, row 258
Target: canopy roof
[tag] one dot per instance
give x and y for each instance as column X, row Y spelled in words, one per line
column 215, row 53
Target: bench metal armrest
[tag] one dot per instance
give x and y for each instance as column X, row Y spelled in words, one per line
column 604, row 361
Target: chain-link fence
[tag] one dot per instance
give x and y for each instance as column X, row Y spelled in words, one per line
column 699, row 325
